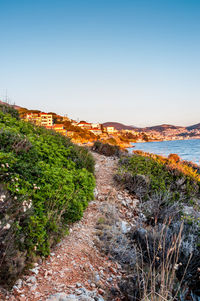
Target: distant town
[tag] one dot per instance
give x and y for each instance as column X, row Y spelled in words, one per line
column 83, row 132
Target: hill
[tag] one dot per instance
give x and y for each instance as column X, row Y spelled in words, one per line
column 13, row 106
column 157, row 128
column 194, row 127
column 162, row 127
column 119, row 126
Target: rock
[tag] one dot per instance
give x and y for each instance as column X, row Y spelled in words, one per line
column 79, row 292
column 120, row 197
column 96, row 193
column 187, row 210
column 93, row 285
column 35, row 271
column 22, row 298
column 101, row 292
column 33, row 288
column 113, row 270
column 124, row 203
column 96, row 277
column 125, row 227
column 18, row 283
column 110, row 279
column 31, row 279
column 85, row 298
column 78, row 285
column 62, row 297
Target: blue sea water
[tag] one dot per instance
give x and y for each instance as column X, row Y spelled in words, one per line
column 187, row 149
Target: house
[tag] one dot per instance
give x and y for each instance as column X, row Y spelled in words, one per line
column 95, row 131
column 42, row 119
column 59, row 128
column 46, row 119
column 110, row 129
column 84, row 125
column 96, row 126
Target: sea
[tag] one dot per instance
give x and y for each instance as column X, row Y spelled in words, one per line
column 187, row 149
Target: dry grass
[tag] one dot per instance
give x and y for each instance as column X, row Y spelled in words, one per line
column 159, row 280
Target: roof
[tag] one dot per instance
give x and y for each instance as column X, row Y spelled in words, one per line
column 83, row 122
column 58, row 125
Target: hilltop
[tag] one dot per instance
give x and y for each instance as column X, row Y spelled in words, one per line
column 119, row 126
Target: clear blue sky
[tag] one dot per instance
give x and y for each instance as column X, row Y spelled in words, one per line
column 132, row 61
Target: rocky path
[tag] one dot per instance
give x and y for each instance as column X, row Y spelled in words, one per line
column 76, row 269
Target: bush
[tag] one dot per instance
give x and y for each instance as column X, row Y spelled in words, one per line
column 106, row 149
column 6, row 108
column 45, row 184
column 170, row 212
column 145, row 174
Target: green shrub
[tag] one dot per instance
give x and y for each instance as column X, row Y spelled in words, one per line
column 106, row 149
column 45, row 184
column 8, row 109
column 154, row 174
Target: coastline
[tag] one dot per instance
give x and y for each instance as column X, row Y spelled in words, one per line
column 188, row 150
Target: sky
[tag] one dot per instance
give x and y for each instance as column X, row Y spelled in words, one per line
column 131, row 61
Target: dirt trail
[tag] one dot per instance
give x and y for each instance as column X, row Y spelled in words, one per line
column 75, row 262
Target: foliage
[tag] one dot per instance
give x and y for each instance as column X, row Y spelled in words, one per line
column 169, row 193
column 158, row 174
column 45, row 184
column 6, row 108
column 106, row 149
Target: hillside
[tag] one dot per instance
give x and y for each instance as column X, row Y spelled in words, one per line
column 162, row 127
column 119, row 126
column 194, row 127
column 45, row 185
column 157, row 128
column 13, row 106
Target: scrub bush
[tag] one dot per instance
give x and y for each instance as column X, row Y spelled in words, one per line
column 45, row 184
column 106, row 149
column 146, row 174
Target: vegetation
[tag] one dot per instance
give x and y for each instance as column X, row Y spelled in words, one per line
column 146, row 174
column 45, row 184
column 165, row 242
column 106, row 149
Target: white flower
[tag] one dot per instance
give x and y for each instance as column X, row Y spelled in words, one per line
column 7, row 165
column 24, row 209
column 17, row 189
column 6, row 227
column 2, row 165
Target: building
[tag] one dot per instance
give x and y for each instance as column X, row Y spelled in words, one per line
column 96, row 131
column 84, row 125
column 110, row 129
column 42, row 119
column 33, row 117
column 96, row 126
column 46, row 119
column 59, row 128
